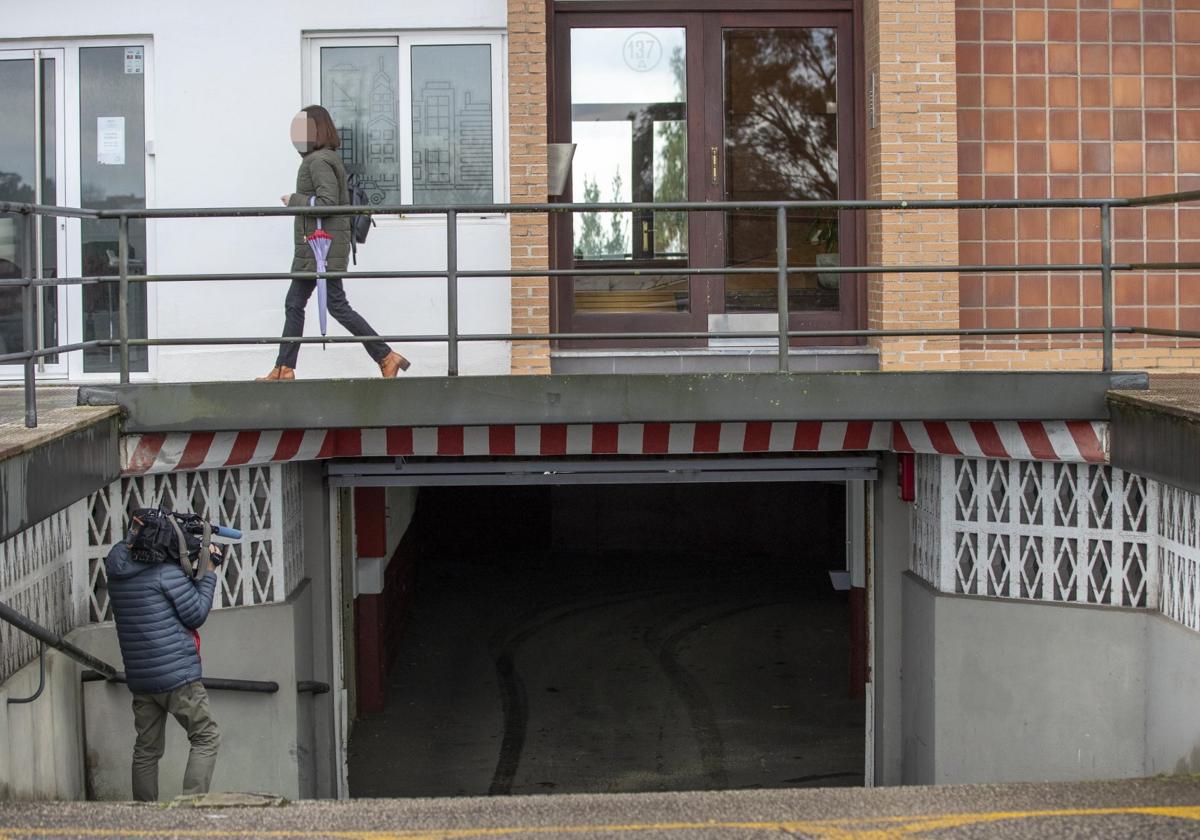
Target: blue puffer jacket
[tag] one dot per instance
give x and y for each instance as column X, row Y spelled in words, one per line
column 157, row 607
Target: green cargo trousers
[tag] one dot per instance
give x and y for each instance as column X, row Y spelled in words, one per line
column 188, row 705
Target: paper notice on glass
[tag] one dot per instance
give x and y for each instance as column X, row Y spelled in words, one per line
column 110, row 141
column 134, row 59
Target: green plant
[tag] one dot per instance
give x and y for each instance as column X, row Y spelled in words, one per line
column 824, row 232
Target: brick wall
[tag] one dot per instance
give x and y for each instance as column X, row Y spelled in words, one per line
column 1069, row 98
column 911, row 154
column 527, row 95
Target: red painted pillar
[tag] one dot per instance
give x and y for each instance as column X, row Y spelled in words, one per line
column 368, row 642
column 370, row 531
column 370, row 521
column 858, row 642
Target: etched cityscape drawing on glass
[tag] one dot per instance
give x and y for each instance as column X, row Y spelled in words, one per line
column 452, row 124
column 359, row 88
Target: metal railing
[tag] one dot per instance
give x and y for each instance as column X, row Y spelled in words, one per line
column 101, row 671
column 1105, row 268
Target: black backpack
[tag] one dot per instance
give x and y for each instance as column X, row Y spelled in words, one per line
column 361, row 224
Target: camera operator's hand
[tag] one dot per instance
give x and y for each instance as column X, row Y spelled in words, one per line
column 213, row 559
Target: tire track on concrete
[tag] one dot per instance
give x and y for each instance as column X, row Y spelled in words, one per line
column 690, row 690
column 513, row 697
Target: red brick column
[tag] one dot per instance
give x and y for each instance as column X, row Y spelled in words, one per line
column 912, row 153
column 527, row 108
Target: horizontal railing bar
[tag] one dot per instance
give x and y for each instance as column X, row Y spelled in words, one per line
column 49, row 351
column 577, row 272
column 805, row 269
column 606, row 336
column 981, row 331
column 1164, row 198
column 1160, row 266
column 607, row 207
column 22, row 282
column 211, row 683
column 49, row 210
column 1165, row 332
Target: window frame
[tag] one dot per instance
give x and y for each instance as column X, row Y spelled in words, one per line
column 404, row 41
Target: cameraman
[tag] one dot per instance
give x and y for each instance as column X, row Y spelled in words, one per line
column 158, row 608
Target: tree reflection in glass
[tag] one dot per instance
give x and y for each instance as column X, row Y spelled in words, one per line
column 780, row 109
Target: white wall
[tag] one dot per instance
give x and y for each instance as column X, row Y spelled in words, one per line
column 227, row 78
column 998, row 690
column 1173, row 686
column 41, row 743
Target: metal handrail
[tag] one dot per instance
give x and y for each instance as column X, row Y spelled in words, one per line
column 101, row 671
column 210, row 683
column 782, row 271
column 27, row 625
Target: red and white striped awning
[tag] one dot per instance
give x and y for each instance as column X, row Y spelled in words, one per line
column 1047, row 441
column 1064, row 440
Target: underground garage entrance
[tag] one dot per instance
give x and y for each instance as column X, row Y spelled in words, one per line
column 610, row 638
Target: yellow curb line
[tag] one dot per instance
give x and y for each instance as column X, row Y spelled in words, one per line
column 856, row 828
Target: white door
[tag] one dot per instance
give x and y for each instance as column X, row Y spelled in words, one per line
column 32, row 148
column 109, row 115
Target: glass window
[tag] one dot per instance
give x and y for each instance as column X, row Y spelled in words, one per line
column 452, row 124
column 112, row 142
column 17, row 176
column 359, row 87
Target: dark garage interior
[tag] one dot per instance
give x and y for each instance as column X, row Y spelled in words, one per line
column 614, row 638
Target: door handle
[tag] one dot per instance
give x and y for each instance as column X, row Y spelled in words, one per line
column 714, row 152
column 646, row 235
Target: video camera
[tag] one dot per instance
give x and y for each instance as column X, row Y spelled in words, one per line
column 158, row 535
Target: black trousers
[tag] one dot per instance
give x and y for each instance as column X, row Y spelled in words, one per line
column 339, row 308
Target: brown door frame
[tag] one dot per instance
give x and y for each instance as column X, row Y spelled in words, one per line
column 847, row 14
column 696, row 318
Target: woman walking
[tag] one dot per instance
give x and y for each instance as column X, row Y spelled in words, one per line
column 322, row 176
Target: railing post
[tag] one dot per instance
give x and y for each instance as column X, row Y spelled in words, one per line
column 123, row 296
column 452, row 292
column 29, row 319
column 781, row 247
column 1106, row 281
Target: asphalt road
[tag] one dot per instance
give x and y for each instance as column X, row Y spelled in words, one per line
column 1154, row 808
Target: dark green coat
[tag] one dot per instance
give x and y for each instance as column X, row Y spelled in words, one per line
column 321, row 174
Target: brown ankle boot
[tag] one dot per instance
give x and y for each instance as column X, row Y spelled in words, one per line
column 277, row 374
column 392, row 364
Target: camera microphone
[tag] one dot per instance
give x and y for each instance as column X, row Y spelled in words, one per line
column 228, row 533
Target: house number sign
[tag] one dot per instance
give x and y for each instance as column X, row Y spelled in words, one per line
column 642, row 52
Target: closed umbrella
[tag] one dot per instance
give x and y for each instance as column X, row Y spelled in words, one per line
column 320, row 242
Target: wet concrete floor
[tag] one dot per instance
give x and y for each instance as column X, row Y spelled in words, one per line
column 618, row 671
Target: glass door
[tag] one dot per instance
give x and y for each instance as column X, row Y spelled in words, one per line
column 31, row 163
column 708, row 106
column 112, row 175
column 784, row 132
column 628, row 95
